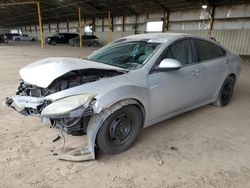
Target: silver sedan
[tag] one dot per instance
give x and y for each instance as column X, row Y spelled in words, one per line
column 129, row 84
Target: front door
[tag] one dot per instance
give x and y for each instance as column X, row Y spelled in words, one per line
column 174, row 90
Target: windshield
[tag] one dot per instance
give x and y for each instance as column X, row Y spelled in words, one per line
column 127, row 55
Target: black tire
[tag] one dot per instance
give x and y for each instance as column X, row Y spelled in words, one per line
column 226, row 92
column 53, row 43
column 95, row 44
column 119, row 130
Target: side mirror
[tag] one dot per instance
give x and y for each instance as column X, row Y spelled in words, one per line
column 168, row 64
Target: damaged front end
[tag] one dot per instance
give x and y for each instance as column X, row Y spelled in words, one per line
column 71, row 114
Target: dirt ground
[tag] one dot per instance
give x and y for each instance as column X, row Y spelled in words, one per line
column 207, row 147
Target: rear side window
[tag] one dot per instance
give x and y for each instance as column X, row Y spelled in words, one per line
column 224, row 53
column 206, row 50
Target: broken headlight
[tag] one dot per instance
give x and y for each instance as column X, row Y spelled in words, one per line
column 72, row 106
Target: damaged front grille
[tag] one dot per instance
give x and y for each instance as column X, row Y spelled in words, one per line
column 74, row 126
column 25, row 89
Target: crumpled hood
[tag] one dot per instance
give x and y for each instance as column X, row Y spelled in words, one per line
column 43, row 72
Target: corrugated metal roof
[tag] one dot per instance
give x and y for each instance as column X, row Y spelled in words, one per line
column 61, row 10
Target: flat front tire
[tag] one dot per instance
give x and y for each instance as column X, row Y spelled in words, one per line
column 119, row 130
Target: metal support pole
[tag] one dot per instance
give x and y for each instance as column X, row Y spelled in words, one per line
column 80, row 26
column 136, row 20
column 93, row 26
column 57, row 27
column 211, row 21
column 109, row 21
column 109, row 27
column 123, row 23
column 67, row 25
column 102, row 24
column 165, row 20
column 40, row 23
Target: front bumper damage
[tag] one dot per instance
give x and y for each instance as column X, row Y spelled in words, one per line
column 57, row 110
column 22, row 103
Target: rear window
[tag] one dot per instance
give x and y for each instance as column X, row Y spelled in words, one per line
column 206, row 50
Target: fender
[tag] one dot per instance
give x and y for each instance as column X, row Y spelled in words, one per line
column 95, row 122
column 122, row 93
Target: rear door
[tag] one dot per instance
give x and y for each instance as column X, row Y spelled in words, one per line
column 60, row 38
column 25, row 37
column 66, row 38
column 213, row 66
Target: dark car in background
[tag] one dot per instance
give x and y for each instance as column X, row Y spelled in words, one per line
column 62, row 38
column 3, row 38
column 11, row 35
column 87, row 40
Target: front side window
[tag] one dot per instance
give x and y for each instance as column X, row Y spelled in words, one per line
column 206, row 50
column 181, row 51
column 61, row 35
column 127, row 55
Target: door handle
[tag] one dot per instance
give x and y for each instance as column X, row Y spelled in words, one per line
column 196, row 72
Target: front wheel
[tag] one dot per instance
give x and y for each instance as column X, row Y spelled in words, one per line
column 226, row 92
column 119, row 130
column 95, row 44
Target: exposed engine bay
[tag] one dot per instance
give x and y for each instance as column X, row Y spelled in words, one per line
column 69, row 80
column 70, row 125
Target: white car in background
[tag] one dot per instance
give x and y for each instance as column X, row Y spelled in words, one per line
column 23, row 37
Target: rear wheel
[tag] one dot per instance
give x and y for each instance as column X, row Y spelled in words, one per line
column 226, row 92
column 120, row 130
